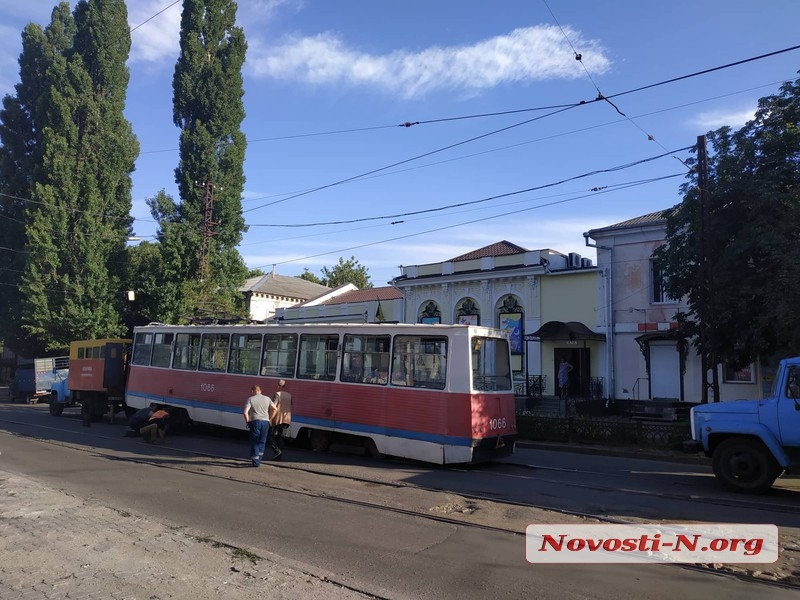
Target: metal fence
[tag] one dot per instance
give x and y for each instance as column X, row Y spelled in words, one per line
column 612, row 432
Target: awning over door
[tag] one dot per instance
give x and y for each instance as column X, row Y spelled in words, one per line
column 559, row 330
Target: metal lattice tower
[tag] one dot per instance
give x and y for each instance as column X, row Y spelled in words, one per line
column 208, row 225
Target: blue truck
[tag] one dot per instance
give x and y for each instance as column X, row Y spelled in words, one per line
column 60, row 396
column 752, row 442
column 34, row 378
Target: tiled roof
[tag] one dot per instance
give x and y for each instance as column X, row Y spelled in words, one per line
column 503, row 248
column 371, row 294
column 283, row 286
column 649, row 219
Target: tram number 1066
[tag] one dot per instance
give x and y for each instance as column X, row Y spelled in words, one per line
column 206, row 387
column 497, row 423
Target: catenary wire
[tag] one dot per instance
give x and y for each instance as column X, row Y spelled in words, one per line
column 487, row 199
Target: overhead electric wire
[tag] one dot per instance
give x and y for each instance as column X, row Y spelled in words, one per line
column 472, row 202
column 602, row 190
column 609, row 187
column 155, row 15
column 540, row 139
column 706, row 71
column 446, row 227
column 600, row 95
column 413, row 158
column 566, row 107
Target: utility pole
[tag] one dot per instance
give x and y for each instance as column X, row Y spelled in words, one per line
column 708, row 354
column 207, row 227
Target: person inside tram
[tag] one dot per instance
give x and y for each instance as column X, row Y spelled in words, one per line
column 355, row 368
column 379, row 375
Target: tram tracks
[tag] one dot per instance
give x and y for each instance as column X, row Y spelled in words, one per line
column 430, row 515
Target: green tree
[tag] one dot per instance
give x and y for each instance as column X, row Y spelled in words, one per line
column 144, row 269
column 309, row 276
column 346, row 271
column 208, row 109
column 752, row 231
column 21, row 128
column 80, row 188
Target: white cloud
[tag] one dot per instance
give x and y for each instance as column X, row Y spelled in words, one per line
column 524, row 55
column 715, row 119
column 155, row 40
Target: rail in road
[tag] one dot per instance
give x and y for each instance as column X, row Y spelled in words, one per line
column 617, row 491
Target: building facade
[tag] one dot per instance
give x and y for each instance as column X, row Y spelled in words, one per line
column 265, row 294
column 648, row 357
column 506, row 286
column 347, row 305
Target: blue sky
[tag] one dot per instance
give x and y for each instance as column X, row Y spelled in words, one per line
column 327, row 84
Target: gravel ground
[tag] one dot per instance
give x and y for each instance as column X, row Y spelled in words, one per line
column 54, row 545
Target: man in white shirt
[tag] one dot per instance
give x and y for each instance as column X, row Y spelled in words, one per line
column 257, row 412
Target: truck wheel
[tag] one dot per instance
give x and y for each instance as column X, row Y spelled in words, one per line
column 745, row 465
column 56, row 408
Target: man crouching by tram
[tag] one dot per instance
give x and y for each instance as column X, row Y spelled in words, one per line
column 256, row 416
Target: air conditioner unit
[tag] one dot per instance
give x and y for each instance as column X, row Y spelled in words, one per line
column 586, row 263
column 574, row 260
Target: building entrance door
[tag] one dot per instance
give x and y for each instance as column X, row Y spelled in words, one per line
column 665, row 370
column 581, row 375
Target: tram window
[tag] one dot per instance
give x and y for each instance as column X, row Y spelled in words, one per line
column 214, row 352
column 162, row 349
column 419, row 361
column 81, row 353
column 142, row 348
column 365, row 359
column 491, row 369
column 317, row 356
column 187, row 351
column 280, row 355
column 97, row 352
column 245, row 353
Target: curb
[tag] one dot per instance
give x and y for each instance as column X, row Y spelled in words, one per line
column 617, row 452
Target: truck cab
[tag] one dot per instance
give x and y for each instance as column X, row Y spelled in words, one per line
column 751, row 442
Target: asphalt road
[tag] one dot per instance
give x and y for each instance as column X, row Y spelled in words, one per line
column 386, row 528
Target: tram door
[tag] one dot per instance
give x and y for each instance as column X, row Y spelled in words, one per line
column 580, row 377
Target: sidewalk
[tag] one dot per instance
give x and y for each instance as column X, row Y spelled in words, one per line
column 56, row 546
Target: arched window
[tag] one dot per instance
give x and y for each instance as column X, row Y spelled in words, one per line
column 510, row 317
column 430, row 313
column 467, row 312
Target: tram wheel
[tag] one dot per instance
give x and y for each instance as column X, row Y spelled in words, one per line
column 320, row 440
column 372, row 448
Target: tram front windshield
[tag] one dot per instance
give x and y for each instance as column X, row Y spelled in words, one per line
column 491, row 367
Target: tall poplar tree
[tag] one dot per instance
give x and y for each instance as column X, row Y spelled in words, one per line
column 21, row 124
column 208, row 109
column 78, row 214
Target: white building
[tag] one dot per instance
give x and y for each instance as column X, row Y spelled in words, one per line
column 264, row 295
column 506, row 286
column 347, row 304
column 649, row 358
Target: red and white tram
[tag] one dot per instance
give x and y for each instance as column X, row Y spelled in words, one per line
column 436, row 393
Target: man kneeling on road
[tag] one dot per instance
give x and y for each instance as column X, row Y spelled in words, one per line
column 156, row 428
column 139, row 419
